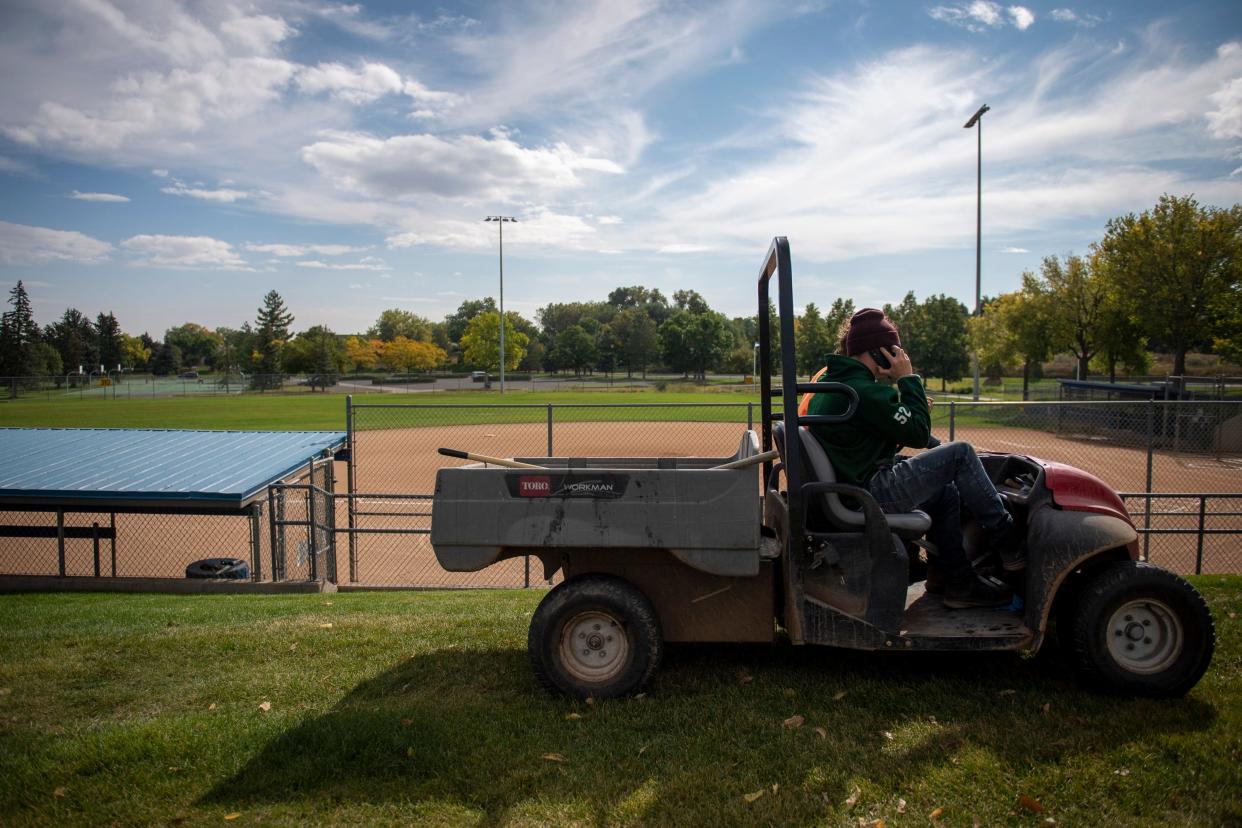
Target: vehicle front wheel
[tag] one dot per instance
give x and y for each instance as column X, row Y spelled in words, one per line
column 1141, row 630
column 595, row 636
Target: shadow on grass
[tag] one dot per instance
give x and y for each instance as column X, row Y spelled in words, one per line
column 471, row 730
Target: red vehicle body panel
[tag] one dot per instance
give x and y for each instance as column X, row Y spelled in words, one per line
column 1078, row 491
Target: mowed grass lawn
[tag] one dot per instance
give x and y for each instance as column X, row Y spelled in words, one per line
column 419, row 708
column 320, row 412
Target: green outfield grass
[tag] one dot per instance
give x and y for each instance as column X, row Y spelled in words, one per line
column 327, row 411
column 420, row 709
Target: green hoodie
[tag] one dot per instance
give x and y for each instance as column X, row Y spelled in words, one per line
column 887, row 416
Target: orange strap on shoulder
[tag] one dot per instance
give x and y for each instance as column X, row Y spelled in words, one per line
column 804, row 405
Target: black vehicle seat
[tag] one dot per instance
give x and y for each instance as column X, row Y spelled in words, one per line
column 907, row 525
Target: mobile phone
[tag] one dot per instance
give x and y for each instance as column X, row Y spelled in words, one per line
column 879, row 357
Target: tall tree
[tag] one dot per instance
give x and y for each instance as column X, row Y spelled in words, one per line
column 1179, row 262
column 198, row 343
column 480, row 343
column 837, row 316
column 942, row 344
column 640, row 340
column 111, row 345
column 73, row 336
column 695, row 342
column 271, row 334
column 575, row 348
column 19, row 334
column 812, row 341
column 1079, row 299
column 318, row 353
column 395, row 322
column 456, row 322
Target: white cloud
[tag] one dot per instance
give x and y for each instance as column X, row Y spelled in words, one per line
column 983, row 14
column 184, row 252
column 368, row 263
column 608, row 220
column 160, row 173
column 464, row 166
column 1021, row 16
column 258, row 34
column 1070, row 16
column 22, row 244
column 109, row 197
column 1014, row 250
column 292, row 250
column 1225, row 121
column 223, row 195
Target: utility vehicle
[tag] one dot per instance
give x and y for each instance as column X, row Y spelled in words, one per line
column 656, row 550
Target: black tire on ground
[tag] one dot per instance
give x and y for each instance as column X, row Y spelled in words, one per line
column 233, row 568
column 1141, row 630
column 595, row 636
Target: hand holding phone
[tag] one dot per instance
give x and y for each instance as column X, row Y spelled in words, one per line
column 895, row 363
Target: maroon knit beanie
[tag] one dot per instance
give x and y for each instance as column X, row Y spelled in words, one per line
column 870, row 329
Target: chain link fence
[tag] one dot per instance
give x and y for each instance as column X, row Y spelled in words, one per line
column 393, row 464
column 1187, row 447
column 1156, row 453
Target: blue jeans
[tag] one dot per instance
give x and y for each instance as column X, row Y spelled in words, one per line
column 939, row 481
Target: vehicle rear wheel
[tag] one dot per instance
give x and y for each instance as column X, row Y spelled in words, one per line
column 1141, row 630
column 595, row 636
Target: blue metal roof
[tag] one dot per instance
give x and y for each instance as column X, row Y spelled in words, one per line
column 150, row 467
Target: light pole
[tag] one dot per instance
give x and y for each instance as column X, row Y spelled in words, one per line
column 500, row 224
column 754, row 371
column 977, row 118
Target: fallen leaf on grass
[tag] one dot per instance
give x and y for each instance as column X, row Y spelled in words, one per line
column 554, row 757
column 409, row 752
column 853, row 797
column 901, row 806
column 875, row 823
column 1050, row 821
column 642, row 749
column 776, row 786
column 212, row 706
column 293, row 648
column 568, row 716
column 1231, row 615
column 232, row 816
column 887, row 734
column 836, row 696
column 175, row 769
column 1047, row 708
column 788, row 691
column 326, row 626
column 751, row 797
column 265, row 706
column 1006, row 692
column 59, row 793
column 744, row 677
column 4, row 691
column 408, row 722
column 936, row 814
column 794, row 722
column 1121, row 772
column 823, row 734
column 1031, row 804
column 329, row 603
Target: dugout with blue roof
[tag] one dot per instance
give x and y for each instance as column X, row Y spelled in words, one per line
column 216, row 472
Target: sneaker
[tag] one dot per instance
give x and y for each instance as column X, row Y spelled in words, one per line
column 1009, row 544
column 973, row 590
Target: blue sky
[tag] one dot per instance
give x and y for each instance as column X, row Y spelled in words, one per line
column 173, row 162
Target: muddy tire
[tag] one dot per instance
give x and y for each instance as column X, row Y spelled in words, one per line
column 1141, row 630
column 595, row 636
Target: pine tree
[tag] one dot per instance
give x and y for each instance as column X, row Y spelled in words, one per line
column 108, row 336
column 19, row 334
column 272, row 332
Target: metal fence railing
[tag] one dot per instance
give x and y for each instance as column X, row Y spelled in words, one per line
column 1145, row 448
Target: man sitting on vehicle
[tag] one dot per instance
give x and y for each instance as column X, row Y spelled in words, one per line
column 938, row 481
